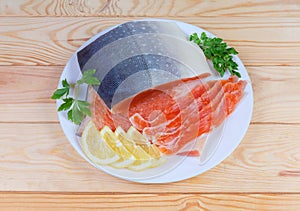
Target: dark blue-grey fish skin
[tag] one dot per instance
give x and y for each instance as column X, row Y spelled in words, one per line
column 127, row 57
column 121, row 31
column 123, row 70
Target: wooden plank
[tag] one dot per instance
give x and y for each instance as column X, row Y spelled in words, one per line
column 52, row 40
column 28, row 113
column 37, row 157
column 276, row 94
column 171, row 8
column 25, row 95
column 48, row 201
column 28, row 84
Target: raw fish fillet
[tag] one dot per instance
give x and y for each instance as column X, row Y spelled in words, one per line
column 175, row 114
column 101, row 114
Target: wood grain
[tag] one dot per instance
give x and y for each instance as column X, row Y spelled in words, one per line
column 25, row 94
column 232, row 202
column 52, row 40
column 41, row 171
column 171, row 8
column 28, row 84
column 37, row 157
column 276, row 94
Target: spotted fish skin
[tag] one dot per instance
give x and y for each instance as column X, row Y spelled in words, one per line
column 126, row 30
column 136, row 56
column 144, row 65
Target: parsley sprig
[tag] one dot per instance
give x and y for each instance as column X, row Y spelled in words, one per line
column 77, row 109
column 218, row 52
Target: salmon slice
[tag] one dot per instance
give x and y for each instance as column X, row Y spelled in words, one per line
column 220, row 107
column 174, row 114
column 101, row 114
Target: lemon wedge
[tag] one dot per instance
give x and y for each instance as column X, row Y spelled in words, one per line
column 143, row 161
column 136, row 136
column 147, row 154
column 120, row 149
column 125, row 139
column 95, row 148
column 126, row 158
column 139, row 139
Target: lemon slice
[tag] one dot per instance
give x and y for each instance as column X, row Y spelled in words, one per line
column 143, row 160
column 120, row 149
column 136, row 136
column 95, row 148
column 147, row 155
column 140, row 140
column 125, row 139
column 126, row 158
column 154, row 152
column 158, row 162
column 150, row 149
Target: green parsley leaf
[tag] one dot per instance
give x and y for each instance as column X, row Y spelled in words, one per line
column 65, row 83
column 60, row 92
column 88, row 78
column 70, row 115
column 77, row 115
column 68, row 102
column 218, row 52
column 236, row 73
column 77, row 109
column 84, row 107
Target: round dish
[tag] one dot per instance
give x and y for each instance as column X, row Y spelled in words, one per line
column 184, row 167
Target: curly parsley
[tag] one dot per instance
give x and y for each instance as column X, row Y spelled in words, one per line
column 218, row 52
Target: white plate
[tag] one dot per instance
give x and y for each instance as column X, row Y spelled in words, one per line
column 236, row 124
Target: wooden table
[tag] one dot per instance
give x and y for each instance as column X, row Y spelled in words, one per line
column 41, row 171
